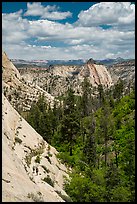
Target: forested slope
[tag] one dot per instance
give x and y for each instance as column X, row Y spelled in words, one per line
column 96, row 138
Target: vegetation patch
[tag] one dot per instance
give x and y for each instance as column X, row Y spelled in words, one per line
column 18, row 140
column 49, row 154
column 35, row 198
column 49, row 180
column 37, row 160
column 64, row 197
column 45, row 168
column 17, row 132
column 32, row 179
column 33, row 153
column 95, row 137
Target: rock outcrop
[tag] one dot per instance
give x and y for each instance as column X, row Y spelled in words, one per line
column 30, row 168
column 124, row 70
column 97, row 74
column 20, row 93
column 56, row 79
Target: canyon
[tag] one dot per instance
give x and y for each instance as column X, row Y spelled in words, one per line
column 31, row 170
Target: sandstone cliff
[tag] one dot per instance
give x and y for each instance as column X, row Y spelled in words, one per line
column 58, row 78
column 97, row 74
column 20, row 93
column 30, row 168
column 124, row 70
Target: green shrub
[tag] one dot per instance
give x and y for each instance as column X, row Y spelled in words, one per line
column 35, row 198
column 45, row 168
column 120, row 194
column 48, row 147
column 64, row 197
column 37, row 160
column 49, row 154
column 18, row 140
column 49, row 180
column 66, row 158
column 17, row 132
column 82, row 189
column 34, row 152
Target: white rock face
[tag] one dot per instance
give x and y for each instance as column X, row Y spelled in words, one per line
column 20, row 92
column 11, row 72
column 97, row 74
column 20, row 146
column 58, row 78
column 124, row 70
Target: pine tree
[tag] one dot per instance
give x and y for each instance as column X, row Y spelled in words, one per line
column 89, row 149
column 70, row 121
column 40, row 117
column 86, row 98
column 118, row 89
column 104, row 128
column 33, row 117
column 41, row 103
column 112, row 178
column 101, row 94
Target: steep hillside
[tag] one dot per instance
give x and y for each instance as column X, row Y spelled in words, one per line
column 30, row 168
column 124, row 70
column 21, row 93
column 58, row 78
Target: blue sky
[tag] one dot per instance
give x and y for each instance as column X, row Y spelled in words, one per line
column 74, row 7
column 68, row 30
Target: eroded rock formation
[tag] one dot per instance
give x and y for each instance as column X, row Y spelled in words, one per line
column 56, row 79
column 20, row 93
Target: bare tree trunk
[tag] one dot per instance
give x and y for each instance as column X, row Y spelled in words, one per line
column 70, row 151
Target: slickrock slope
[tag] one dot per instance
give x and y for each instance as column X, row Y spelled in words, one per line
column 21, row 145
column 20, row 93
column 58, row 78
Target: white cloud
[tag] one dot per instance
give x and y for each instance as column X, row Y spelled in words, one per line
column 71, row 52
column 108, row 13
column 43, row 52
column 14, row 28
column 34, row 9
column 55, row 15
column 48, row 12
column 52, row 31
column 18, row 34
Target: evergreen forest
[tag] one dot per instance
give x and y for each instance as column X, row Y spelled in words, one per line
column 94, row 134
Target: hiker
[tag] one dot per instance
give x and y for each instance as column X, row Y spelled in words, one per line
column 33, row 169
column 37, row 170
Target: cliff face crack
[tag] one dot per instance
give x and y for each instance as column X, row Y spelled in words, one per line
column 7, row 181
column 96, row 75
